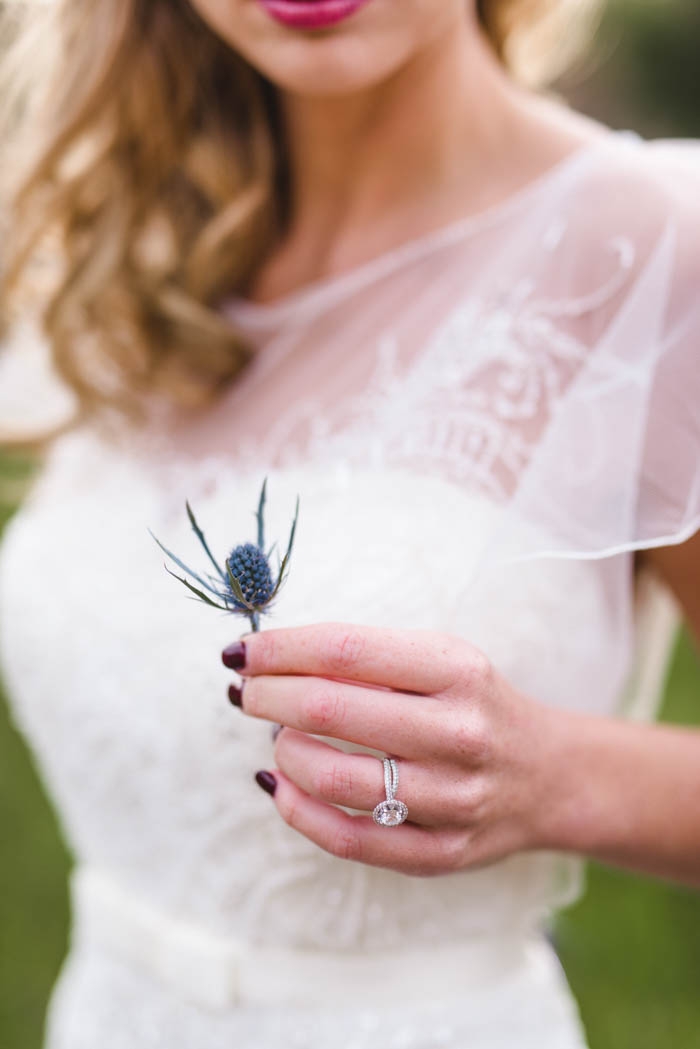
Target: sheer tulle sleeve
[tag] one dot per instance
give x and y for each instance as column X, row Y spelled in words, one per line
column 618, row 468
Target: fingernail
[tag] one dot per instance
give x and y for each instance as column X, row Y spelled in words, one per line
column 235, row 694
column 276, row 729
column 233, row 656
column 267, row 781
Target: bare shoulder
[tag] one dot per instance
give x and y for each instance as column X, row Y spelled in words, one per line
column 633, row 200
column 644, row 184
column 622, row 189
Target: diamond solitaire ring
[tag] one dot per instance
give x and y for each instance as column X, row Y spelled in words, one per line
column 391, row 812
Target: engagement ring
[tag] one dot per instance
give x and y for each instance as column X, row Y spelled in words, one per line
column 391, row 812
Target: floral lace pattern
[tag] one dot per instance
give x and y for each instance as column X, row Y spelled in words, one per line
column 471, row 405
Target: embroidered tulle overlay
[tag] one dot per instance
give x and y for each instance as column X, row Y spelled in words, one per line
column 481, row 427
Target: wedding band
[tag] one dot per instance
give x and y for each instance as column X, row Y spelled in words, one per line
column 391, row 812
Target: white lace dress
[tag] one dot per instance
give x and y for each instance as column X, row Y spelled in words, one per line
column 482, row 426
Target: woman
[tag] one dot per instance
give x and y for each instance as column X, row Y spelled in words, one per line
column 333, row 243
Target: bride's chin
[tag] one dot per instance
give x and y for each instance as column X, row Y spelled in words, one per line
column 356, row 53
column 329, row 65
column 346, row 68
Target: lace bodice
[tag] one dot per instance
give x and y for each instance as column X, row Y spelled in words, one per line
column 481, row 428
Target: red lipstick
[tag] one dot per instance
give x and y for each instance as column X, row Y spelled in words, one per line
column 311, row 14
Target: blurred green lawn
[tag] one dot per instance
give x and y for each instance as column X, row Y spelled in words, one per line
column 631, row 946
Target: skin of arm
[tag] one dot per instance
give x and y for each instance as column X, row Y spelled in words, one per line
column 629, row 794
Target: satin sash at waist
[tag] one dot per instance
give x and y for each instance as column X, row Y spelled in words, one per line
column 218, row 972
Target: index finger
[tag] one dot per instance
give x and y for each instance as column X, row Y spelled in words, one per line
column 421, row 661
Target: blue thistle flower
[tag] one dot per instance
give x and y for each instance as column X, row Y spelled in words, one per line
column 245, row 586
column 252, row 570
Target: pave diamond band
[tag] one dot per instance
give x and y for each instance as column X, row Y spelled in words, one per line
column 392, row 812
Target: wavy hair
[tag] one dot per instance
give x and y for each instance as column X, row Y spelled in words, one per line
column 144, row 176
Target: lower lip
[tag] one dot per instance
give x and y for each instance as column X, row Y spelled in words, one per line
column 311, row 14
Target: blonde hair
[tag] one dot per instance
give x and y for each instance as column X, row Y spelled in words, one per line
column 143, row 178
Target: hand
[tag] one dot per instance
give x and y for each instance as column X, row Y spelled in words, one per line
column 472, row 751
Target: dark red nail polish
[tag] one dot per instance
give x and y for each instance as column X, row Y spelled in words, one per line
column 235, row 694
column 233, row 656
column 267, row 781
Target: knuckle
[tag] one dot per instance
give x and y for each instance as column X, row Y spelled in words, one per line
column 451, row 853
column 471, row 799
column 324, row 710
column 346, row 845
column 334, row 784
column 344, row 649
column 455, row 656
column 477, row 672
column 482, row 740
column 471, row 738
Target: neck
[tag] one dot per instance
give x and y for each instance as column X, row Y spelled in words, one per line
column 358, row 161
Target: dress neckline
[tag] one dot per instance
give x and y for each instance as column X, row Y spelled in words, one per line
column 324, row 291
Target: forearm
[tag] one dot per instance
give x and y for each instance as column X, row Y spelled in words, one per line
column 626, row 794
